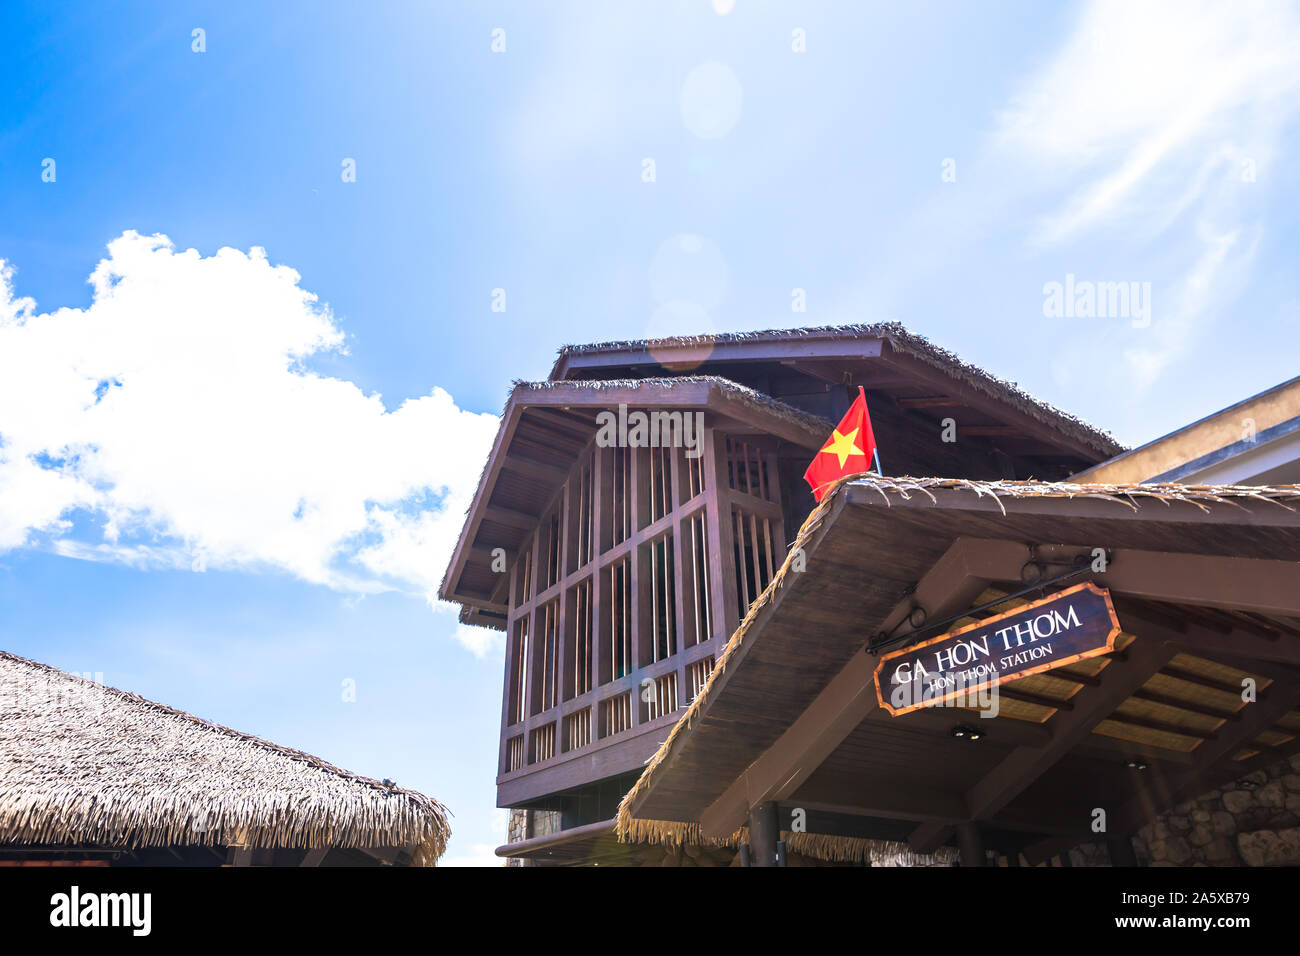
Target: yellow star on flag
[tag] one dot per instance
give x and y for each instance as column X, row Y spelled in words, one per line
column 843, row 446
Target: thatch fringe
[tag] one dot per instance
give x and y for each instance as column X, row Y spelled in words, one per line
column 838, row 849
column 819, row 846
column 87, row 765
column 743, row 393
column 1127, row 495
column 671, row 833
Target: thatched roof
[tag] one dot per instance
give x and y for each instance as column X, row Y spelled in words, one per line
column 656, row 389
column 900, row 340
column 82, row 764
column 578, row 404
column 864, row 546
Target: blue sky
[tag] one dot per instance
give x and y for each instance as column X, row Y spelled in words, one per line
column 223, row 493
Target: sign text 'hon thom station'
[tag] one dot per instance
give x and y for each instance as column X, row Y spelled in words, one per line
column 1073, row 624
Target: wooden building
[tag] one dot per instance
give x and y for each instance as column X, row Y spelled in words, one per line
column 1201, row 688
column 620, row 568
column 93, row 776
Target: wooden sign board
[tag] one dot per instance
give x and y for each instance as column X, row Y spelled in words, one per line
column 1071, row 625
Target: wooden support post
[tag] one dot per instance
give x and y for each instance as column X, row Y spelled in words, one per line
column 971, row 844
column 764, row 829
column 1121, row 851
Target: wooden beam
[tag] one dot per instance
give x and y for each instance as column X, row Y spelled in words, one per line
column 891, row 799
column 314, row 856
column 1010, row 692
column 1191, row 677
column 1162, row 726
column 567, row 428
column 939, row 721
column 1202, row 639
column 850, row 696
column 1274, row 703
column 1190, row 706
column 1024, row 765
column 1109, row 749
column 530, row 468
column 838, row 709
column 511, row 517
column 1248, row 584
column 578, row 428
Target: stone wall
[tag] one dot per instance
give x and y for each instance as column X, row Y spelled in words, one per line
column 525, row 824
column 516, row 830
column 1254, row 821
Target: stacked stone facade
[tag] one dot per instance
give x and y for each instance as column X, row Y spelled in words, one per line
column 1254, row 821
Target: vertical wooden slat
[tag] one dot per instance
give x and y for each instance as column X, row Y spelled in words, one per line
column 742, row 562
column 720, row 537
column 599, row 477
column 654, row 601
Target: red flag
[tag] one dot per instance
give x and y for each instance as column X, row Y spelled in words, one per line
column 850, row 449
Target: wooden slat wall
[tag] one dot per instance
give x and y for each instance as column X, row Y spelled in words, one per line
column 700, row 621
column 663, row 606
column 625, row 582
column 550, row 684
column 620, row 618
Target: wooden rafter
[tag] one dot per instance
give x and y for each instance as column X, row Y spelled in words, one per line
column 1213, row 760
column 1024, row 765
column 850, row 697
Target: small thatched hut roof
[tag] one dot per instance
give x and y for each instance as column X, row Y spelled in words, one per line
column 84, row 765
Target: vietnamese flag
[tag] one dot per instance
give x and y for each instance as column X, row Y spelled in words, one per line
column 849, row 451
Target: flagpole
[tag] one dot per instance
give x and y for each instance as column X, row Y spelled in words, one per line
column 876, row 454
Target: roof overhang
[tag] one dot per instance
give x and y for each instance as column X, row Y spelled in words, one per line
column 875, row 546
column 883, row 356
column 546, row 426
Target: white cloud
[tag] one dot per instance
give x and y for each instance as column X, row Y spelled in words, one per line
column 481, row 641
column 1155, row 127
column 1142, row 95
column 174, row 423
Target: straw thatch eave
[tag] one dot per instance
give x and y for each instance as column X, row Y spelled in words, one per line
column 84, row 765
column 655, row 389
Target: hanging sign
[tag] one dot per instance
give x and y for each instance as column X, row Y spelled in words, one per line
column 1071, row 625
